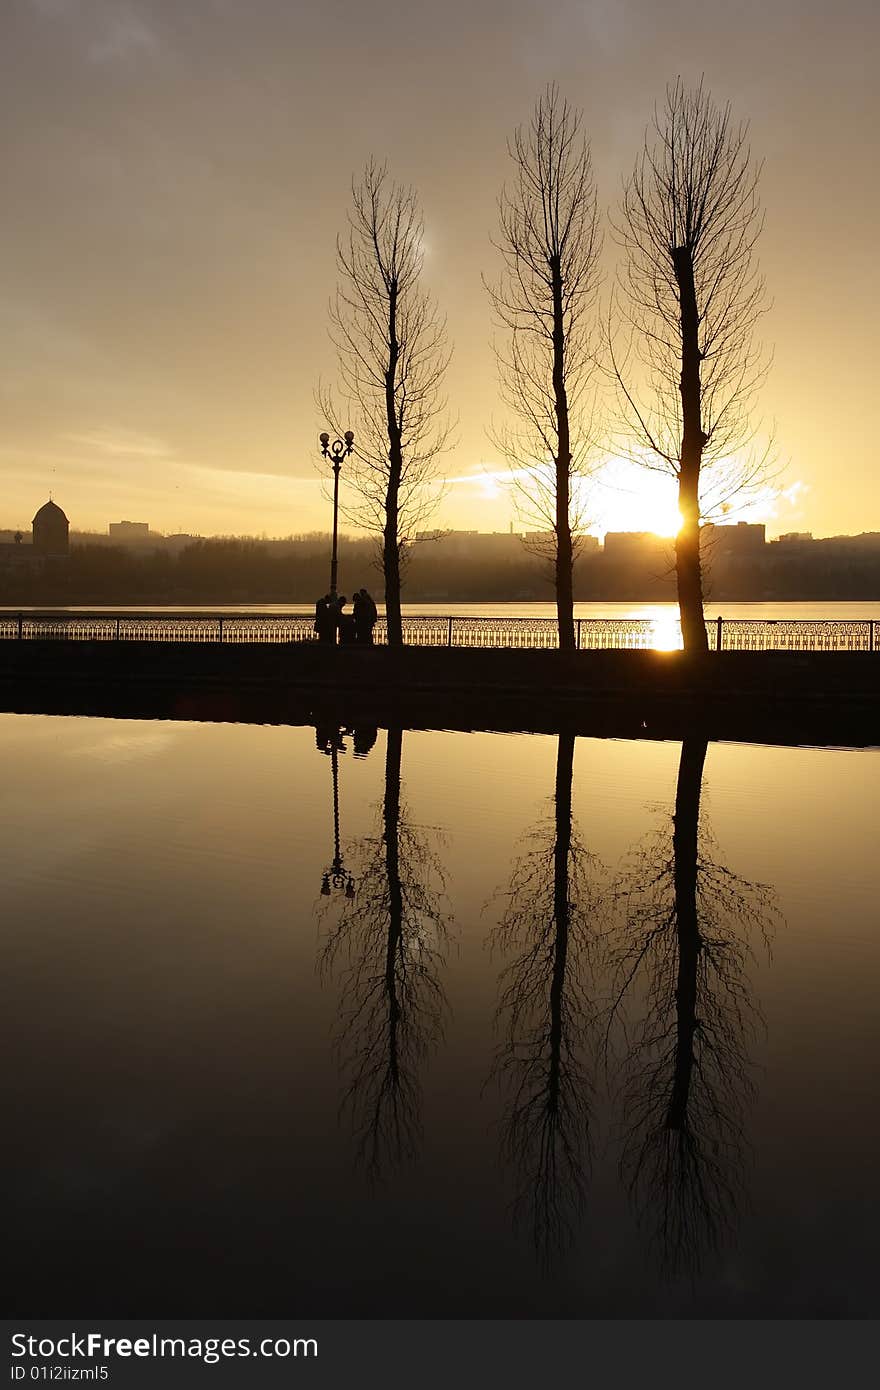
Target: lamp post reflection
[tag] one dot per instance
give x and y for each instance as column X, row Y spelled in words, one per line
column 336, row 876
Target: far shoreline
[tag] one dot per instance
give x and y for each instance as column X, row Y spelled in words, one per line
column 844, row 609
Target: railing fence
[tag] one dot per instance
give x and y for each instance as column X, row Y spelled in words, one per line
column 592, row 634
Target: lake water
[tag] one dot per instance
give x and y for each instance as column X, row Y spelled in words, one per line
column 658, row 612
column 551, row 1055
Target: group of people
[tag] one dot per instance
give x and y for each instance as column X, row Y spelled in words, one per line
column 331, row 737
column 357, row 626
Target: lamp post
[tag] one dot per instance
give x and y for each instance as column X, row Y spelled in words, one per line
column 336, row 452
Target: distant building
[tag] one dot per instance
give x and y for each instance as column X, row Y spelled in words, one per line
column 50, row 540
column 635, row 545
column 583, row 542
column 51, row 531
column 18, row 553
column 128, row 531
column 474, row 545
column 744, row 539
column 179, row 541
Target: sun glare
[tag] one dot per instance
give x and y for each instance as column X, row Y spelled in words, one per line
column 666, row 634
column 627, row 498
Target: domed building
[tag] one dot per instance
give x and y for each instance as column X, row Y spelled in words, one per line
column 51, row 530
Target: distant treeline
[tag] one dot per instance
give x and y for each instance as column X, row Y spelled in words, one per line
column 296, row 572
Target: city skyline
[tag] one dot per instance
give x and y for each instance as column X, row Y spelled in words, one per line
column 126, row 531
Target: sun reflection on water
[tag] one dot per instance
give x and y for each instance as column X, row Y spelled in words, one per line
column 666, row 634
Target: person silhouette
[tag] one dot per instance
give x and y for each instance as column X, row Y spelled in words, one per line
column 325, row 619
column 364, row 740
column 365, row 615
column 330, row 737
column 344, row 622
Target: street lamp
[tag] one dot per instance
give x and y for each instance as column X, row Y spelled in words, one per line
column 336, row 452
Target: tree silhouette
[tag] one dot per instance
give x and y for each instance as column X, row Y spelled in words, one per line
column 547, row 934
column 389, row 944
column 392, row 355
column 681, row 958
column 691, row 297
column 550, row 243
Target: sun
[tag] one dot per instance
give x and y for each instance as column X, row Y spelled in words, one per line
column 625, row 497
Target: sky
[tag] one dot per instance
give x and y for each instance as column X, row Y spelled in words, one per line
column 175, row 173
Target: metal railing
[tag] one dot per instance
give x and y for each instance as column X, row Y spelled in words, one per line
column 592, row 634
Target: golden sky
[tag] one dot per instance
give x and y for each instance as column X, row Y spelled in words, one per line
column 175, row 173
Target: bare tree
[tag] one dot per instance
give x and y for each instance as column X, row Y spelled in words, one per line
column 549, row 240
column 682, row 955
column 548, row 934
column 392, row 355
column 389, row 946
column 691, row 295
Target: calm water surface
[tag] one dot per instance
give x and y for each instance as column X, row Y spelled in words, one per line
column 661, row 612
column 556, row 1055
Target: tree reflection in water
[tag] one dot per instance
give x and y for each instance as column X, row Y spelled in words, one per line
column 679, row 970
column 548, row 933
column 388, row 946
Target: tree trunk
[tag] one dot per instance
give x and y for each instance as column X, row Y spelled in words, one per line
column 391, row 828
column 685, row 849
column 391, row 571
column 561, row 852
column 687, row 542
column 564, row 549
column 390, row 538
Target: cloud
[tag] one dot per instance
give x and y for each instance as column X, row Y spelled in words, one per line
column 109, row 30
column 489, row 475
column 124, row 35
column 55, row 9
column 798, row 490
column 123, row 443
column 766, row 503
